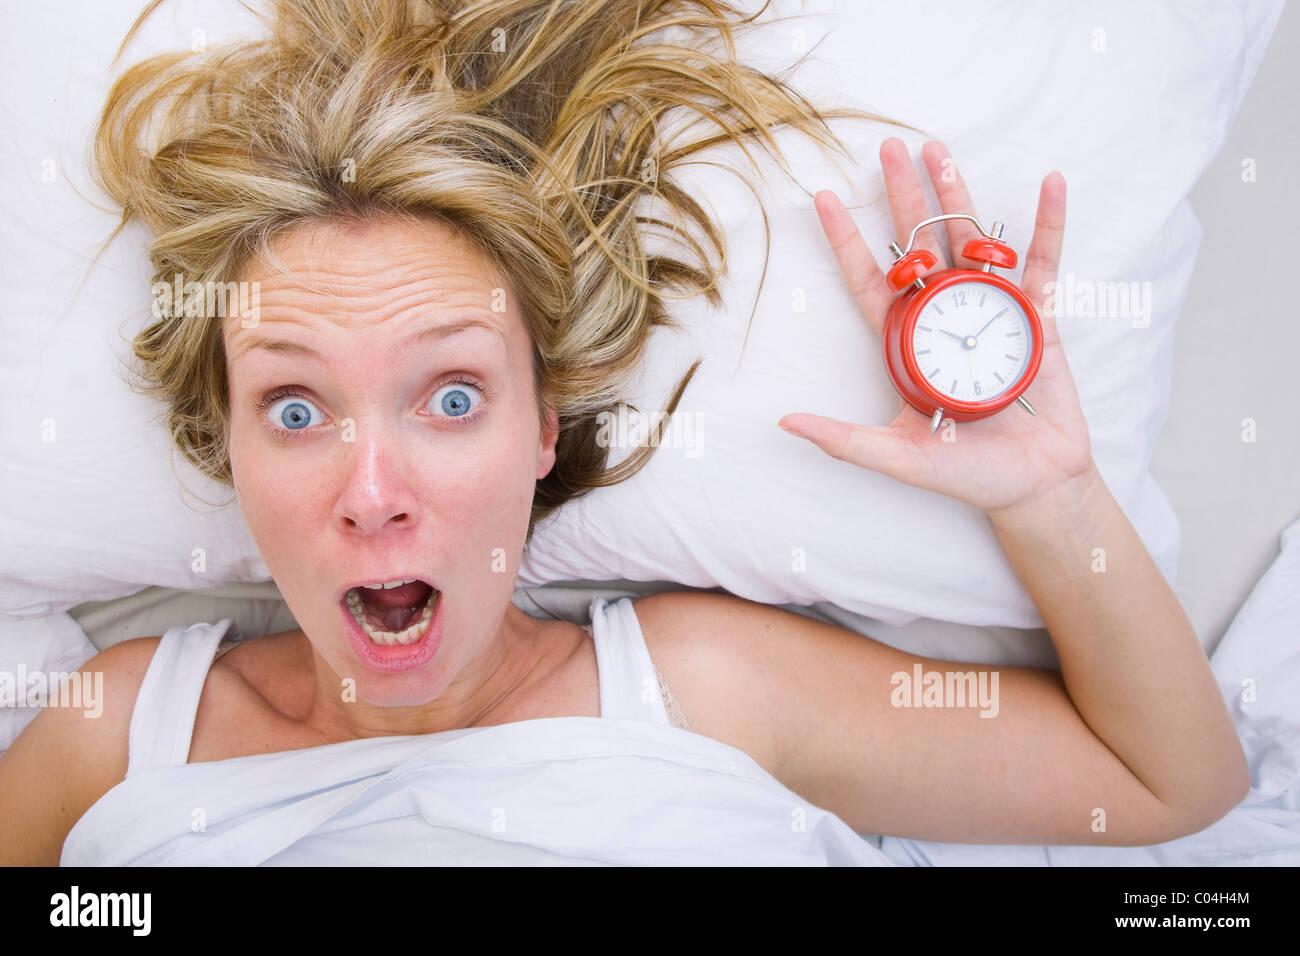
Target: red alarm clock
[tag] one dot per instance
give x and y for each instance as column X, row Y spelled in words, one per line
column 961, row 343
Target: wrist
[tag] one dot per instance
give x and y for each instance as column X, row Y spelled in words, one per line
column 1077, row 500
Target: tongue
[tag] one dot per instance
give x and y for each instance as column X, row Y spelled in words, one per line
column 393, row 609
column 408, row 595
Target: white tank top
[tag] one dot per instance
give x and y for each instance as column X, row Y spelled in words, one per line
column 162, row 724
column 627, row 788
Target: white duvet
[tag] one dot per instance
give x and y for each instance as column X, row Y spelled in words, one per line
column 554, row 791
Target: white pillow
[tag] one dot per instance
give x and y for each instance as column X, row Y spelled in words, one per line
column 1130, row 102
column 34, row 657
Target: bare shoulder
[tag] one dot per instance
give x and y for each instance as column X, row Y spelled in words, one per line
column 765, row 680
column 713, row 650
column 100, row 736
column 69, row 757
column 275, row 669
column 254, row 698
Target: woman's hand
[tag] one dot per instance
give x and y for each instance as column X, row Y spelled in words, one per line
column 1001, row 463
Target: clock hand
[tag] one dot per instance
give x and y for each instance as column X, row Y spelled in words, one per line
column 981, row 331
column 959, row 338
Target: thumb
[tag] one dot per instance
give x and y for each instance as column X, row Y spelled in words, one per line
column 873, row 447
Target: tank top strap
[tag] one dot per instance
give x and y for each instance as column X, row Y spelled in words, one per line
column 629, row 683
column 162, row 723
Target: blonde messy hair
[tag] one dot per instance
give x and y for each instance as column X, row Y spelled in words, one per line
column 526, row 125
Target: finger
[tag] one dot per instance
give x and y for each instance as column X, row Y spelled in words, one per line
column 861, row 274
column 953, row 197
column 878, row 448
column 1043, row 260
column 907, row 198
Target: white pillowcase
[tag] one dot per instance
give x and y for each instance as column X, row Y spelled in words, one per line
column 34, row 657
column 1130, row 102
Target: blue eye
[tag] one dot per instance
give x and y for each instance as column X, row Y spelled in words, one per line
column 290, row 412
column 293, row 415
column 457, row 399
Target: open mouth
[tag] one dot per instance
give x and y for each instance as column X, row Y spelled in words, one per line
column 396, row 613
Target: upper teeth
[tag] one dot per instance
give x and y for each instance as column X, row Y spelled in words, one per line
column 390, row 584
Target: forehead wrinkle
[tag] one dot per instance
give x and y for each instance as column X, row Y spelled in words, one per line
column 470, row 314
column 464, row 288
column 438, row 331
column 455, row 283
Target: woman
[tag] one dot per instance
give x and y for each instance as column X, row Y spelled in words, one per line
column 437, row 213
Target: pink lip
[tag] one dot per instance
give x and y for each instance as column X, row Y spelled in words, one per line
column 398, row 657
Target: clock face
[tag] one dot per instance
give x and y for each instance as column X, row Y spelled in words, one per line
column 972, row 341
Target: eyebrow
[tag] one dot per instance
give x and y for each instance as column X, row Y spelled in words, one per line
column 419, row 337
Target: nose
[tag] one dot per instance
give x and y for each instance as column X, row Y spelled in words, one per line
column 378, row 493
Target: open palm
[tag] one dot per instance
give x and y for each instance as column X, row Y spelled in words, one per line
column 1002, row 461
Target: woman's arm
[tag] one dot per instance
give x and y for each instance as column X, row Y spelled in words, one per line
column 1130, row 659
column 1130, row 743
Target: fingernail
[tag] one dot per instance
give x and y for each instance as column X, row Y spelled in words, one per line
column 793, row 431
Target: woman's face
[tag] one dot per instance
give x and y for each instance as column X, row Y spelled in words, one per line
column 399, row 438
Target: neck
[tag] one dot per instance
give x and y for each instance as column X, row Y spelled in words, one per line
column 503, row 666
